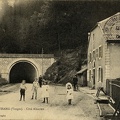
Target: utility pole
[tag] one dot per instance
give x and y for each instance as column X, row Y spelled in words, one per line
column 42, row 62
column 58, row 41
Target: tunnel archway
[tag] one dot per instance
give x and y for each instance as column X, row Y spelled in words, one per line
column 22, row 71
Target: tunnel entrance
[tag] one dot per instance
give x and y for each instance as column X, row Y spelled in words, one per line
column 22, row 71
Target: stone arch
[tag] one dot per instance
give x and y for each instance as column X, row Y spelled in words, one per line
column 15, row 62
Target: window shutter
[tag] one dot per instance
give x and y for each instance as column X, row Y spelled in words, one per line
column 101, row 75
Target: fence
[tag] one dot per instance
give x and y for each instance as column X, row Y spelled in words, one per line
column 113, row 90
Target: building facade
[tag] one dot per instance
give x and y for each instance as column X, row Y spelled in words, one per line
column 104, row 52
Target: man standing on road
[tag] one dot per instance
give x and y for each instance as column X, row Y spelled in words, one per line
column 23, row 88
column 75, row 82
column 40, row 81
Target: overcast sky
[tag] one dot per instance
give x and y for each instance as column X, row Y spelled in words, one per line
column 11, row 3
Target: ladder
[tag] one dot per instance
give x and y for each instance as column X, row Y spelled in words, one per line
column 99, row 90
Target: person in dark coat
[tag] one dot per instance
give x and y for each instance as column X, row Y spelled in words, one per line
column 75, row 82
column 40, row 81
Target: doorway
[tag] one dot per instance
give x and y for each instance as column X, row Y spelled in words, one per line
column 94, row 77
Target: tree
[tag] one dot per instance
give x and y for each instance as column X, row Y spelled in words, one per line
column 52, row 25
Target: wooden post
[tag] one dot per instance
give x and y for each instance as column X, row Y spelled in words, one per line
column 42, row 62
column 110, row 83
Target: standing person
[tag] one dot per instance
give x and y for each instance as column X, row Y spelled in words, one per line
column 75, row 82
column 45, row 91
column 69, row 90
column 35, row 88
column 40, row 81
column 23, row 88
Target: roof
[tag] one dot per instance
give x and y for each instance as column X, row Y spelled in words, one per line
column 102, row 23
column 82, row 70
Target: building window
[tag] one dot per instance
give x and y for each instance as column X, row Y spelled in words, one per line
column 93, row 64
column 100, row 52
column 117, row 27
column 93, row 39
column 100, row 74
column 89, row 75
column 96, row 52
column 94, row 55
column 90, row 57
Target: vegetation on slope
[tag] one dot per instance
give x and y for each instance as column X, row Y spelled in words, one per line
column 30, row 25
column 65, row 67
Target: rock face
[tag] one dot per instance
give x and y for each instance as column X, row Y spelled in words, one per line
column 65, row 67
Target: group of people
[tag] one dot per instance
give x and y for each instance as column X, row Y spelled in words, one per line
column 45, row 89
column 36, row 84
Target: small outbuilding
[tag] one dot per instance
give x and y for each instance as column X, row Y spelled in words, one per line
column 82, row 75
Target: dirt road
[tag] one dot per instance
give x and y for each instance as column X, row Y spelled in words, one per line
column 83, row 107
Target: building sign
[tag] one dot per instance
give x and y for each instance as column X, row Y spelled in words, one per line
column 112, row 28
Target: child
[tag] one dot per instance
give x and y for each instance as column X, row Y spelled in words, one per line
column 45, row 91
column 22, row 90
column 35, row 88
column 69, row 90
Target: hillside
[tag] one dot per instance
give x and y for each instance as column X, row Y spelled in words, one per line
column 27, row 27
column 65, row 67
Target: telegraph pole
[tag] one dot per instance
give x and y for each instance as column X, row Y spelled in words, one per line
column 42, row 62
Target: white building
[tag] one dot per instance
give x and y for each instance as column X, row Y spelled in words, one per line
column 104, row 52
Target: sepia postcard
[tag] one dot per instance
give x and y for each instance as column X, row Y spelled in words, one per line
column 59, row 60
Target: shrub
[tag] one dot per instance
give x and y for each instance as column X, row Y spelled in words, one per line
column 3, row 81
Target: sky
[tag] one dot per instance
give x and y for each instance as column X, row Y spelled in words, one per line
column 11, row 2
column 0, row 4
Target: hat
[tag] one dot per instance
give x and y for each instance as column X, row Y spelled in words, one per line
column 68, row 84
